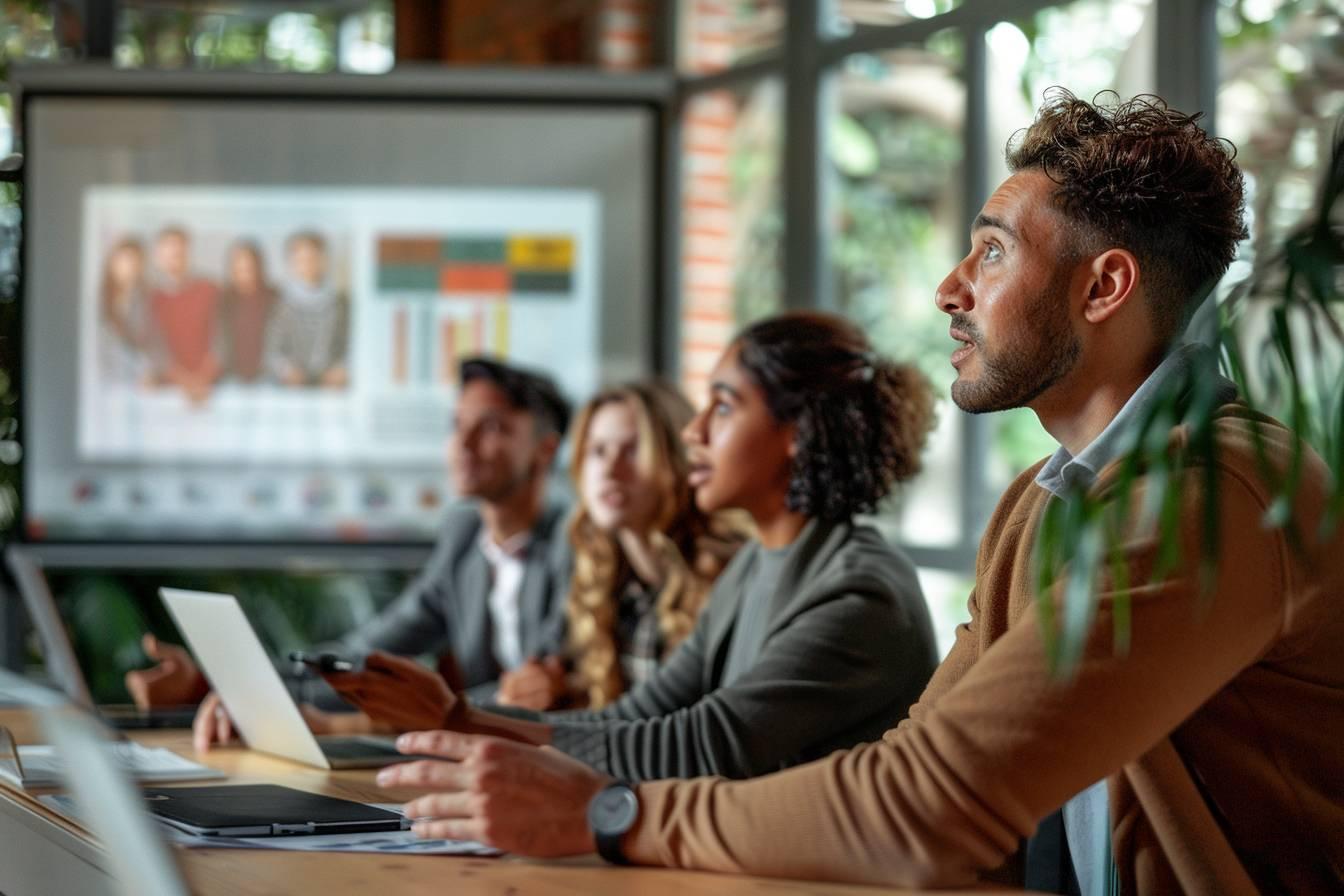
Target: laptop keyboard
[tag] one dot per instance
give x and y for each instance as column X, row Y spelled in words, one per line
column 355, row 748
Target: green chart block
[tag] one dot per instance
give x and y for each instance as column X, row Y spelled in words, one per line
column 408, row 278
column 477, row 251
column 543, row 282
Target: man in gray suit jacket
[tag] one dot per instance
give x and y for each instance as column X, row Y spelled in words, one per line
column 493, row 592
column 446, row 609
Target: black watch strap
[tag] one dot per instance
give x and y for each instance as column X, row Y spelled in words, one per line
column 611, row 813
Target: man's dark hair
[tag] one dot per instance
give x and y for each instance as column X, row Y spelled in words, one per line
column 861, row 419
column 1138, row 175
column 173, row 231
column 526, row 390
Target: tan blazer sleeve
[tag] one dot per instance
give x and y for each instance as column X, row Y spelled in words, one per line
column 950, row 671
column 949, row 794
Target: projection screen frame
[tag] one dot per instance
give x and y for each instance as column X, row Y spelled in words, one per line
column 653, row 93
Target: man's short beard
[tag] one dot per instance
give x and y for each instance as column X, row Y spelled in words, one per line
column 511, row 486
column 1014, row 378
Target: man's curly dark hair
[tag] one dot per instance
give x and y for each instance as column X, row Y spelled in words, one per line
column 861, row 419
column 1138, row 175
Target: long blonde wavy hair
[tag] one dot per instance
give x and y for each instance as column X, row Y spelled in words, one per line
column 691, row 547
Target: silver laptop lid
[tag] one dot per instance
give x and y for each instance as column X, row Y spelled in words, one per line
column 233, row 659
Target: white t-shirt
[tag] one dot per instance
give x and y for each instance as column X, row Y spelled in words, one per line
column 506, row 585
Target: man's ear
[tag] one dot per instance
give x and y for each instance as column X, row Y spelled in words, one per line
column 1114, row 283
column 547, row 446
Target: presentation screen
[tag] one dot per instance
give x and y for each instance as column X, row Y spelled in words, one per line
column 244, row 320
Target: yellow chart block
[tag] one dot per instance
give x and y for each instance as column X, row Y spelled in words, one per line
column 541, row 253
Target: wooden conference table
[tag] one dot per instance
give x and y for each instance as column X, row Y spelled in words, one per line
column 43, row 853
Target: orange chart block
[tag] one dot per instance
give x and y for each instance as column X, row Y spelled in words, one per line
column 475, row 279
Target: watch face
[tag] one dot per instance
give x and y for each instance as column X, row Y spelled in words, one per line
column 613, row 810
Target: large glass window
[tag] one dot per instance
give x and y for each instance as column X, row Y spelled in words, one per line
column 26, row 35
column 845, row 15
column 894, row 143
column 309, row 37
column 1279, row 101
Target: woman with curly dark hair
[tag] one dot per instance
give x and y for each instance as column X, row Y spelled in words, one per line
column 816, row 636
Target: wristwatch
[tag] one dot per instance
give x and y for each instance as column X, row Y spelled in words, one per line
column 611, row 813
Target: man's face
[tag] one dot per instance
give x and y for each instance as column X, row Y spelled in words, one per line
column 1009, row 300
column 170, row 255
column 494, row 449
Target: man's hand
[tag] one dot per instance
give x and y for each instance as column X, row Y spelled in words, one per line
column 397, row 692
column 212, row 724
column 519, row 798
column 536, row 684
column 174, row 680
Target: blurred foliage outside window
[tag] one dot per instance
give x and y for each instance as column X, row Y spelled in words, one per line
column 843, row 16
column 1281, row 93
column 311, row 37
column 757, row 196
column 1280, row 102
column 894, row 142
column 895, row 146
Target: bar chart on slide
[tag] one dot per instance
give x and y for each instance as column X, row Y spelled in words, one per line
column 450, row 295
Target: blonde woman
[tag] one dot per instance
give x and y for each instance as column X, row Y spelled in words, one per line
column 644, row 555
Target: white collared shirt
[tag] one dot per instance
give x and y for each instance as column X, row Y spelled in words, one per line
column 506, row 585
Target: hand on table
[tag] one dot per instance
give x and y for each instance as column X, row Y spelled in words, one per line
column 174, row 679
column 397, row 692
column 516, row 797
column 214, row 726
column 536, row 684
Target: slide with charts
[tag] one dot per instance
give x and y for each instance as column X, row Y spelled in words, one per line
column 281, row 360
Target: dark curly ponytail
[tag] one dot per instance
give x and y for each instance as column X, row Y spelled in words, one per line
column 861, row 419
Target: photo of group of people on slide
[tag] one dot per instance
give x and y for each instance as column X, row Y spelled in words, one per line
column 165, row 324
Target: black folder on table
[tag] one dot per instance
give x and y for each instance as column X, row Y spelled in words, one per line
column 265, row 810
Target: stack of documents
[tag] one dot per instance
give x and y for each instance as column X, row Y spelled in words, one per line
column 38, row 765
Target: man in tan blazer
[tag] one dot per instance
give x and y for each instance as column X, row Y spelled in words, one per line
column 1204, row 757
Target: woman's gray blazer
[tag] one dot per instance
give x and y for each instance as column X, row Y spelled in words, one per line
column 848, row 648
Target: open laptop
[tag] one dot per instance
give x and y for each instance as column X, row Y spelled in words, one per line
column 232, row 658
column 59, row 654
